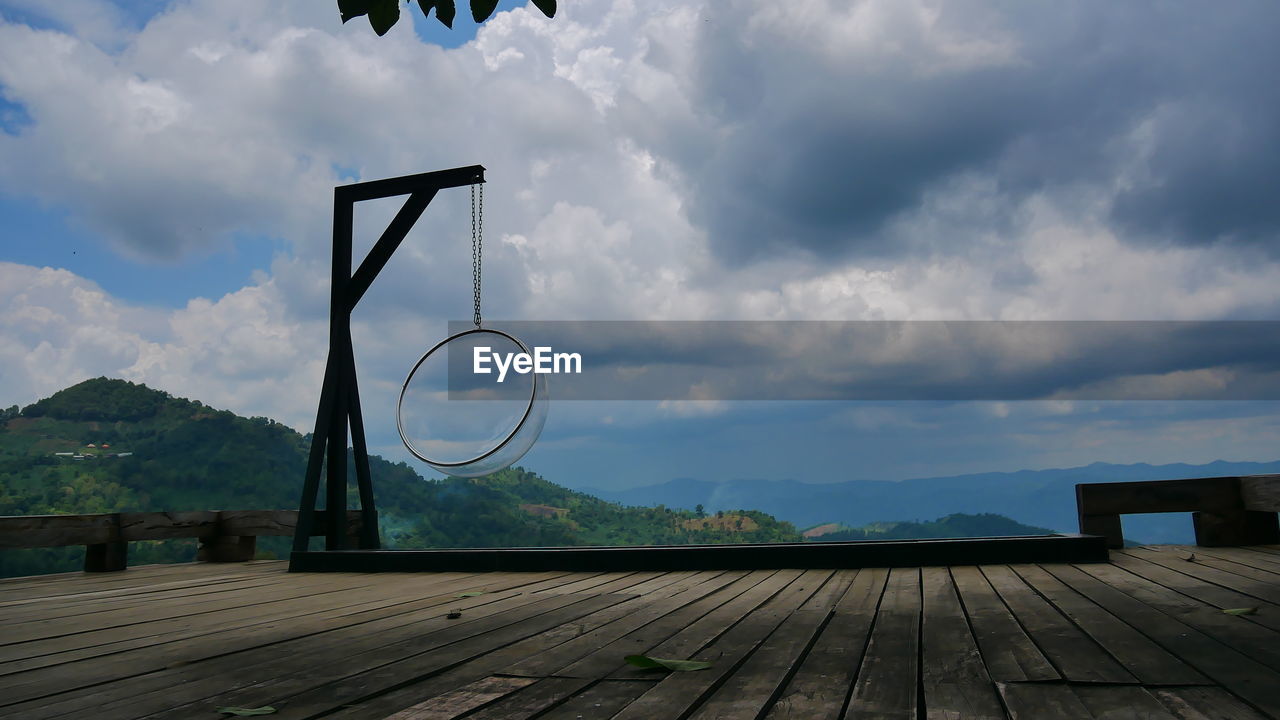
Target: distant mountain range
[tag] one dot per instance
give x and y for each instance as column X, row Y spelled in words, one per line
column 1044, row 498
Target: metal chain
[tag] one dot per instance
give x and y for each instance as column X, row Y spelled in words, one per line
column 477, row 247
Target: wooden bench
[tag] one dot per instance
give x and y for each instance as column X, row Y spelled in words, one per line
column 224, row 535
column 1225, row 510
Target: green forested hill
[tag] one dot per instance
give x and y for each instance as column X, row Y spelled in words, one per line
column 111, row 446
column 958, row 525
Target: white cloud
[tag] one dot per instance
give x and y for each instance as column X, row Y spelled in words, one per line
column 646, row 160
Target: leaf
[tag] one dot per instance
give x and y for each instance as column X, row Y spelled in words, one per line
column 383, row 14
column 652, row 663
column 352, row 8
column 247, row 712
column 548, row 7
column 445, row 10
column 1241, row 611
column 473, row 593
column 482, row 9
column 454, row 614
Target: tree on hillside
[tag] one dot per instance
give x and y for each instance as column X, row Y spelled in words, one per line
column 383, row 14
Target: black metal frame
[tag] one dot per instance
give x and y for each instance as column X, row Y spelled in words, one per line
column 339, row 410
column 339, row 413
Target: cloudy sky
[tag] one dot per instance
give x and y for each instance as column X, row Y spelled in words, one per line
column 166, row 175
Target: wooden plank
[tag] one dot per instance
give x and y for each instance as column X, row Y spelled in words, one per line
column 1230, row 668
column 1244, row 556
column 1196, row 581
column 34, row 531
column 1156, row 496
column 954, row 680
column 1042, row 701
column 609, row 658
column 1259, row 643
column 1122, row 703
column 1010, row 656
column 70, row 614
column 33, row 588
column 564, row 659
column 1220, row 572
column 1076, row 656
column 602, row 700
column 227, row 668
column 1147, row 661
column 167, row 525
column 367, row 667
column 1205, row 703
column 1261, row 492
column 464, row 699
column 238, row 627
column 157, row 610
column 678, row 693
column 334, row 680
column 825, row 678
column 695, row 637
column 756, row 683
column 486, row 664
column 81, row 602
column 157, row 656
column 533, row 700
column 887, row 681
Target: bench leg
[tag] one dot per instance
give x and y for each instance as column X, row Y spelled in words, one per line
column 224, row 548
column 1108, row 526
column 106, row 557
column 1235, row 527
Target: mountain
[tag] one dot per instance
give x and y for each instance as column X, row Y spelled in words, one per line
column 1044, row 498
column 957, row 525
column 112, row 446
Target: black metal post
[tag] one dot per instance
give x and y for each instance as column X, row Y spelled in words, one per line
column 339, row 411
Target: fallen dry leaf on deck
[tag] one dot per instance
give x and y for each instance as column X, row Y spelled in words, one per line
column 247, row 712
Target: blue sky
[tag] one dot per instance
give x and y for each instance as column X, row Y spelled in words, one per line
column 166, row 175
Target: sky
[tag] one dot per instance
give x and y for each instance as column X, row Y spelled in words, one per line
column 166, row 175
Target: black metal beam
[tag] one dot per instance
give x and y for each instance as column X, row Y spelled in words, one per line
column 391, row 187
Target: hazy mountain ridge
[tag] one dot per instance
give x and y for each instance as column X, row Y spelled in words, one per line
column 1044, row 498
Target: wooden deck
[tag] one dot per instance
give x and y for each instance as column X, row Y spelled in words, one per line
column 1143, row 636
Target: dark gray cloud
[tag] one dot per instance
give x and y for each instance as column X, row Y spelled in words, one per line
column 897, row 360
column 1164, row 111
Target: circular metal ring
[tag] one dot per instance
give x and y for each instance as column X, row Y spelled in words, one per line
column 533, row 397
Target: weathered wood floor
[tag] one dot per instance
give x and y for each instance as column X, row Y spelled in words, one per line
column 1144, row 636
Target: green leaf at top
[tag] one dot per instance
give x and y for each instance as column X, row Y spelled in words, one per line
column 482, row 9
column 445, row 10
column 383, row 14
column 473, row 593
column 352, row 8
column 653, row 663
column 247, row 712
column 548, row 7
column 1241, row 611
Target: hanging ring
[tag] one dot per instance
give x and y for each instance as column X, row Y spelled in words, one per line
column 533, row 398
